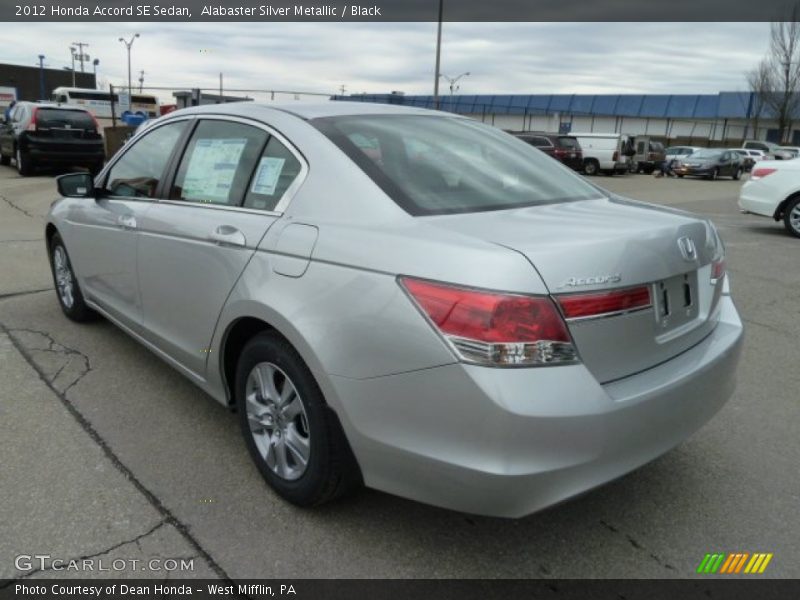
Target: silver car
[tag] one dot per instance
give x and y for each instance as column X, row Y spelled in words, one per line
column 404, row 298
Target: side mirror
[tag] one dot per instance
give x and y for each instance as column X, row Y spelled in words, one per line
column 76, row 185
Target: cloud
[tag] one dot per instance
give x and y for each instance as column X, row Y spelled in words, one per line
column 516, row 58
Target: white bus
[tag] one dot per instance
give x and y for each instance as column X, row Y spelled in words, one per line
column 98, row 102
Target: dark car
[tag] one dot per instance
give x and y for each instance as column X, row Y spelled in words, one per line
column 561, row 147
column 711, row 163
column 39, row 134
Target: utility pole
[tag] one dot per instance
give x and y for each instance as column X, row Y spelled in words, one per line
column 72, row 53
column 141, row 80
column 41, row 77
column 438, row 56
column 80, row 46
column 342, row 89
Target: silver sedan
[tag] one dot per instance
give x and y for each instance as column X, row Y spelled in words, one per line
column 403, row 298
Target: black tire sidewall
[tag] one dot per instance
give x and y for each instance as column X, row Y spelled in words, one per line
column 786, row 217
column 79, row 311
column 310, row 487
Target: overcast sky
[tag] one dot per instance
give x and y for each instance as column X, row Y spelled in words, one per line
column 519, row 58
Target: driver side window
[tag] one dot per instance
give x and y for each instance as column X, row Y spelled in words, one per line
column 139, row 171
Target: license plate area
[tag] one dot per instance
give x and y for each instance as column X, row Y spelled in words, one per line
column 676, row 302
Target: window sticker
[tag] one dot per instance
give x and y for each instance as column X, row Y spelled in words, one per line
column 212, row 168
column 267, row 175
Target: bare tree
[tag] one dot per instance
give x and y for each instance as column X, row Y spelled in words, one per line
column 775, row 82
column 758, row 82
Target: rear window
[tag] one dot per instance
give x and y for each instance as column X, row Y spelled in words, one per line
column 440, row 165
column 59, row 118
column 569, row 142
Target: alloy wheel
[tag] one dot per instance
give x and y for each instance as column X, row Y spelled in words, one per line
column 64, row 278
column 278, row 421
column 794, row 218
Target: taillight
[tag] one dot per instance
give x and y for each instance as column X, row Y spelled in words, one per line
column 32, row 126
column 761, row 172
column 595, row 304
column 717, row 269
column 493, row 328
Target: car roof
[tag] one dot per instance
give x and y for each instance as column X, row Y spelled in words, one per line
column 310, row 110
column 53, row 105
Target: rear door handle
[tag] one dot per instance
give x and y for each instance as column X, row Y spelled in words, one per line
column 126, row 221
column 227, row 235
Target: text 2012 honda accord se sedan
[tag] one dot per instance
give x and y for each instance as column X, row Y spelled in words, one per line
column 405, row 298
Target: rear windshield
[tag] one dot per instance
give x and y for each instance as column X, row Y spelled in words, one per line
column 440, row 165
column 569, row 142
column 55, row 117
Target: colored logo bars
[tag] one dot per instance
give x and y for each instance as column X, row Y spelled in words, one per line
column 734, row 563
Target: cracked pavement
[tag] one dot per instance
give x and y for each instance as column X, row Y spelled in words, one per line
column 108, row 452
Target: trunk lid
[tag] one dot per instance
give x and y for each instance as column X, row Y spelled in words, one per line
column 607, row 244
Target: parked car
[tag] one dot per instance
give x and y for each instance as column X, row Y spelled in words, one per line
column 679, row 152
column 711, row 163
column 794, row 150
column 603, row 152
column 769, row 148
column 564, row 148
column 42, row 134
column 367, row 284
column 649, row 154
column 773, row 190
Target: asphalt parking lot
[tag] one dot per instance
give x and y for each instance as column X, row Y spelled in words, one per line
column 109, row 453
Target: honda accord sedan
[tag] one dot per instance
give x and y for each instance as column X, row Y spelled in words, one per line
column 403, row 298
column 711, row 163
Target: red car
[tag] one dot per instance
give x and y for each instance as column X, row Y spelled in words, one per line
column 561, row 147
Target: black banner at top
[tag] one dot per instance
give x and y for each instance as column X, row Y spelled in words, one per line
column 393, row 10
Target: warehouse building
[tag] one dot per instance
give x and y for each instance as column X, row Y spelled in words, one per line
column 25, row 82
column 725, row 118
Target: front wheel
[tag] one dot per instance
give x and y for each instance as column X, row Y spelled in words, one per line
column 68, row 291
column 791, row 217
column 292, row 435
column 714, row 174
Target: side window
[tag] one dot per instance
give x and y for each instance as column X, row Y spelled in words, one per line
column 141, row 168
column 218, row 163
column 540, row 142
column 276, row 171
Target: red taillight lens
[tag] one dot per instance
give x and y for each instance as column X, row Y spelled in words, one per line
column 718, row 269
column 761, row 172
column 33, row 124
column 579, row 306
column 494, row 328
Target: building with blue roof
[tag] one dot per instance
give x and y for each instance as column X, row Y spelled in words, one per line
column 725, row 118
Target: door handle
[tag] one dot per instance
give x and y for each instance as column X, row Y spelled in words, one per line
column 126, row 221
column 227, row 235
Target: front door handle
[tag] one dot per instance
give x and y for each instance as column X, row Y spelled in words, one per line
column 126, row 221
column 227, row 235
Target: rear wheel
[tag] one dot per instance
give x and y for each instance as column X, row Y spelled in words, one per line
column 24, row 165
column 791, row 217
column 292, row 435
column 4, row 160
column 68, row 291
column 737, row 174
column 591, row 167
column 714, row 174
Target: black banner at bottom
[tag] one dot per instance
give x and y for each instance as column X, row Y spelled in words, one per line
column 401, row 589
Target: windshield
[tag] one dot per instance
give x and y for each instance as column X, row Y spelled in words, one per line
column 707, row 154
column 439, row 165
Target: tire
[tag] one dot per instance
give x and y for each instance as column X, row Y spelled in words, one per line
column 68, row 291
column 714, row 174
column 791, row 217
column 317, row 466
column 4, row 160
column 591, row 167
column 649, row 170
column 737, row 174
column 680, row 176
column 24, row 164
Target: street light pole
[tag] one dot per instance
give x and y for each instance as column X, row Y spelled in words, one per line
column 128, row 44
column 41, row 77
column 453, row 80
column 438, row 56
column 95, row 62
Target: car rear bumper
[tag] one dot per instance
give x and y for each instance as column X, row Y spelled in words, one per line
column 79, row 152
column 509, row 442
column 757, row 205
